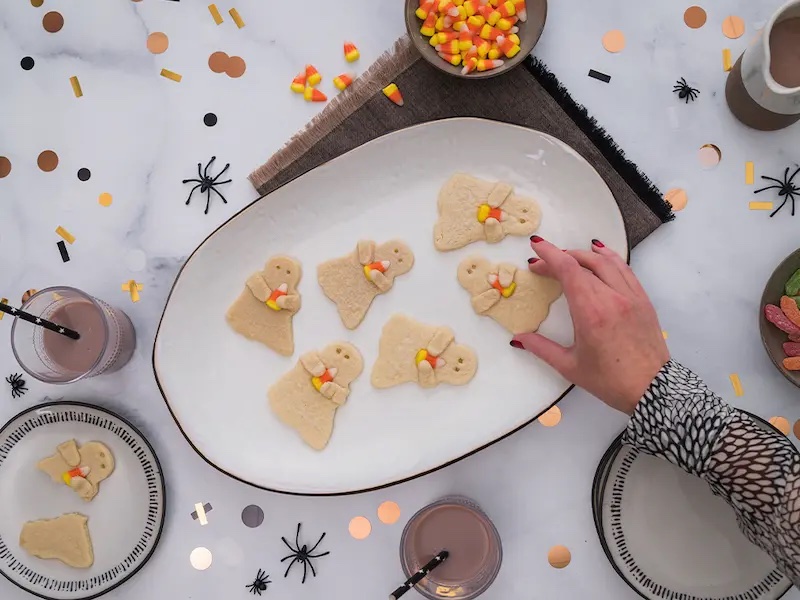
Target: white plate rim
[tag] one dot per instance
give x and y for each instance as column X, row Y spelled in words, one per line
column 259, row 199
column 134, row 429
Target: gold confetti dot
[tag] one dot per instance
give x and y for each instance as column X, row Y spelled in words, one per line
column 5, row 167
column 559, row 557
column 551, row 417
column 53, row 22
column 105, row 199
column 37, row 3
column 360, row 528
column 389, row 512
column 709, row 155
column 47, row 161
column 733, row 27
column 797, row 429
column 614, row 41
column 157, row 42
column 695, row 17
column 677, row 198
column 781, row 424
column 201, row 558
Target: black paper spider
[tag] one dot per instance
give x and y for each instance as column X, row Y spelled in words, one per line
column 17, row 384
column 260, row 584
column 207, row 184
column 685, row 90
column 302, row 554
column 786, row 188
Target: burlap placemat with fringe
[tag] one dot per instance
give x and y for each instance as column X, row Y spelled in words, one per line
column 530, row 96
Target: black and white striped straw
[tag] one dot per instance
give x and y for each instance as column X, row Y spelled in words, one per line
column 420, row 575
column 21, row 314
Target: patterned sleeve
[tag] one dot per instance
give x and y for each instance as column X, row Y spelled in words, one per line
column 755, row 470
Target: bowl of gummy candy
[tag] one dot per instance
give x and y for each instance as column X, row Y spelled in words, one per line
column 475, row 39
column 780, row 317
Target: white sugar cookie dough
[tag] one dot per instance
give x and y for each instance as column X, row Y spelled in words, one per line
column 425, row 354
column 471, row 209
column 306, row 398
column 65, row 538
column 516, row 298
column 264, row 310
column 81, row 468
column 353, row 281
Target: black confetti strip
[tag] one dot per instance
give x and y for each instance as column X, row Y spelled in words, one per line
column 62, row 247
column 599, row 76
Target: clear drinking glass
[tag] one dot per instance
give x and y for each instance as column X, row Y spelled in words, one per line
column 107, row 338
column 458, row 525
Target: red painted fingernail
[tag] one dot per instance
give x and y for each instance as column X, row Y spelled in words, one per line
column 536, row 239
column 515, row 344
column 533, row 260
column 598, row 243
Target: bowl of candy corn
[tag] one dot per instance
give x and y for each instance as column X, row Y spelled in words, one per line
column 475, row 39
column 780, row 317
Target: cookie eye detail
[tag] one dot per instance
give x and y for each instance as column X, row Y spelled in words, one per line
column 474, row 266
column 456, row 369
column 338, row 351
column 277, row 267
column 102, row 466
column 460, row 360
column 396, row 251
column 522, row 220
column 525, row 210
column 399, row 260
column 469, row 271
column 347, row 357
column 288, row 272
column 101, row 454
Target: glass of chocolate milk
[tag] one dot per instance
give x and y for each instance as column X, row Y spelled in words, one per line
column 458, row 525
column 107, row 339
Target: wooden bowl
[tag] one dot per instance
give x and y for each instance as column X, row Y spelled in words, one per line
column 529, row 33
column 773, row 337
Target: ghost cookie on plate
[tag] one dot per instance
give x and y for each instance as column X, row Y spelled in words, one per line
column 425, row 354
column 264, row 310
column 81, row 468
column 353, row 281
column 306, row 398
column 471, row 210
column 517, row 299
column 65, row 538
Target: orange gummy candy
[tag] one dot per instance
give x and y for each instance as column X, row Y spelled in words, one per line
column 792, row 363
column 790, row 309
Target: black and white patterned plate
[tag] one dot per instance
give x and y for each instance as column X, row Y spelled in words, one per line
column 125, row 518
column 670, row 538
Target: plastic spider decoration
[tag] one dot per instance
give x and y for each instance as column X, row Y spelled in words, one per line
column 785, row 187
column 685, row 91
column 17, row 384
column 302, row 554
column 207, row 184
column 259, row 584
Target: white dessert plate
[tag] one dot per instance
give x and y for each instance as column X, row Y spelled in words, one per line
column 669, row 537
column 215, row 381
column 125, row 518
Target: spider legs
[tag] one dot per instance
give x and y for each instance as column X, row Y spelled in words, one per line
column 288, row 546
column 218, row 194
column 220, row 173
column 192, row 192
column 322, row 537
column 294, row 560
column 297, row 538
column 305, row 570
column 205, row 171
column 208, row 200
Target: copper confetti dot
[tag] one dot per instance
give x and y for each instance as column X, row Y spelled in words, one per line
column 53, row 22
column 550, row 418
column 781, row 424
column 695, row 17
column 217, row 62
column 27, row 295
column 677, row 199
column 37, row 3
column 559, row 557
column 5, row 167
column 709, row 155
column 201, row 558
column 797, row 429
column 360, row 528
column 614, row 41
column 389, row 512
column 105, row 199
column 157, row 42
column 47, row 161
column 733, row 27
column 236, row 67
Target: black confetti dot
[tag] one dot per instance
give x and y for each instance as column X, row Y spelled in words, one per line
column 84, row 174
column 26, row 63
column 210, row 119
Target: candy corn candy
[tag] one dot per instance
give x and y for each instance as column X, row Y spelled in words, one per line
column 458, row 2
column 312, row 75
column 482, row 45
column 393, row 93
column 448, row 21
column 462, row 13
column 514, row 29
column 434, row 39
column 453, row 59
column 494, row 17
column 77, row 472
column 440, row 24
column 513, row 37
column 459, row 25
column 351, row 53
column 475, row 22
column 299, row 83
column 448, row 7
column 519, row 7
column 494, row 2
column 429, row 25
column 448, row 48
column 506, row 24
column 494, row 52
column 490, row 33
column 486, row 65
column 484, row 11
column 464, row 40
column 343, row 81
column 470, row 64
column 425, row 8
column 507, row 47
column 507, row 9
column 471, row 7
column 446, row 37
column 314, row 95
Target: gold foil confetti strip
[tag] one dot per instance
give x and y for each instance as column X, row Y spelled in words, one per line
column 237, row 18
column 3, row 301
column 727, row 65
column 737, row 384
column 749, row 173
column 171, row 75
column 133, row 288
column 76, row 86
column 212, row 8
column 201, row 512
column 760, row 206
column 66, row 235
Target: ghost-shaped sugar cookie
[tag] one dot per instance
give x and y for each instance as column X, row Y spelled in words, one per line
column 412, row 351
column 353, row 281
column 65, row 538
column 81, row 468
column 516, row 298
column 471, row 209
column 264, row 310
column 306, row 398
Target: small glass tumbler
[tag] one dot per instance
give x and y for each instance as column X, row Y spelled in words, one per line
column 107, row 338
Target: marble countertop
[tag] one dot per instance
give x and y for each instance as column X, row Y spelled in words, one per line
column 141, row 134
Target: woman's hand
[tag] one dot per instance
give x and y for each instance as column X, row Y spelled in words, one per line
column 619, row 347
